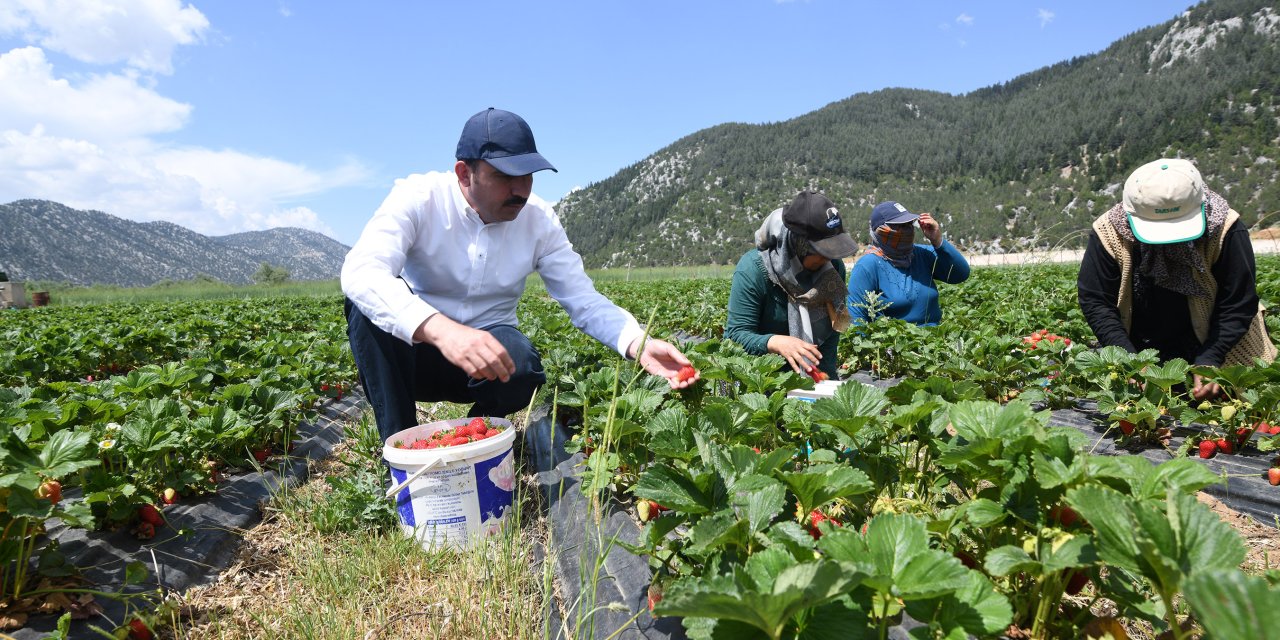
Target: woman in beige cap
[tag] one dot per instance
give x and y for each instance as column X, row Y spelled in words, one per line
column 1171, row 268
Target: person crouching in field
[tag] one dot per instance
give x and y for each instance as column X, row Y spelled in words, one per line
column 1171, row 268
column 432, row 284
column 787, row 295
column 900, row 272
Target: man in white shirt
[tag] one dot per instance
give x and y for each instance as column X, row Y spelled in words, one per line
column 433, row 281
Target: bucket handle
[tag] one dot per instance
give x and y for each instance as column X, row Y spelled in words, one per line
column 413, row 476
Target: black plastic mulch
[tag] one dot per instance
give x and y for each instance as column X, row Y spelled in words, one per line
column 1245, row 487
column 201, row 535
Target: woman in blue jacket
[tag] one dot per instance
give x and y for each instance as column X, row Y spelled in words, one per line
column 901, row 272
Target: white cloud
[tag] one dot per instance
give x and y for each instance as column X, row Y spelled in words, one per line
column 89, row 140
column 1045, row 15
column 210, row 192
column 107, row 106
column 139, row 33
column 964, row 19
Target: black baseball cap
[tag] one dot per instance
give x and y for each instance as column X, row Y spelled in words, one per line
column 504, row 140
column 815, row 218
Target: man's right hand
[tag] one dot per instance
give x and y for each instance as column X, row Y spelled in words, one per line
column 476, row 352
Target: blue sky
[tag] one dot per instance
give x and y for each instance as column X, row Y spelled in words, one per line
column 250, row 114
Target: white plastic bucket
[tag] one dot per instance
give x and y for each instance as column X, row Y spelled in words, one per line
column 466, row 491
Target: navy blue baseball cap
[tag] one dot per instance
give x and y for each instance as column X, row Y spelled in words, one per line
column 890, row 213
column 504, row 140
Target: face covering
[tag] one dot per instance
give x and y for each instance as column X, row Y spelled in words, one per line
column 895, row 244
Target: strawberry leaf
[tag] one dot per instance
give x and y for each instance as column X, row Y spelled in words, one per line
column 820, row 484
column 758, row 594
column 853, row 406
column 976, row 608
column 1231, row 604
column 676, row 489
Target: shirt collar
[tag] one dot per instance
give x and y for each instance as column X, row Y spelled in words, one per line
column 460, row 201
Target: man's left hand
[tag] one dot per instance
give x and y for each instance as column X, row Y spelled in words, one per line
column 661, row 358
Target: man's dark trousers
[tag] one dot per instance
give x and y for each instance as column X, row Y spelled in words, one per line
column 395, row 375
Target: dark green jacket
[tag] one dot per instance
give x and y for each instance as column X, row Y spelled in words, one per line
column 758, row 310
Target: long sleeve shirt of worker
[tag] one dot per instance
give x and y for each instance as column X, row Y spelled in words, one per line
column 758, row 310
column 1161, row 318
column 426, row 251
column 912, row 293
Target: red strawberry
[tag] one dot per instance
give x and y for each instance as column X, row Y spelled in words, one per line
column 1262, row 427
column 492, row 433
column 1126, row 427
column 1274, row 430
column 1225, row 446
column 687, row 372
column 655, row 595
column 817, row 517
column 262, row 454
column 144, row 531
column 1207, row 448
column 1077, row 580
column 817, row 374
column 1273, row 476
column 150, row 515
column 966, row 559
column 138, row 630
column 478, row 424
column 169, row 496
column 50, row 490
column 458, row 441
column 1064, row 515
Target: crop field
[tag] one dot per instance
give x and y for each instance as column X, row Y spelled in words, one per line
column 941, row 496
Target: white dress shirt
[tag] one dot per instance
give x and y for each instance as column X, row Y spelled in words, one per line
column 472, row 272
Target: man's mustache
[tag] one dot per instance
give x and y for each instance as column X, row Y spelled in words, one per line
column 514, row 200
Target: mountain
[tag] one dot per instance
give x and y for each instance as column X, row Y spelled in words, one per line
column 42, row 240
column 1024, row 164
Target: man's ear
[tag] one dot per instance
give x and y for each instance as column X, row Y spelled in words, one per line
column 463, row 172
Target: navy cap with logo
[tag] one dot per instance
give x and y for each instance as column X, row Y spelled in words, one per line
column 815, row 218
column 890, row 213
column 504, row 140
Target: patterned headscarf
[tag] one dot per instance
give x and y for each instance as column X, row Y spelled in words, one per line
column 895, row 245
column 782, row 253
column 1171, row 265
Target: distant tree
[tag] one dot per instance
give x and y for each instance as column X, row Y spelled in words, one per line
column 204, row 278
column 268, row 274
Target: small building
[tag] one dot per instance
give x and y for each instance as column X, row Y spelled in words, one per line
column 12, row 295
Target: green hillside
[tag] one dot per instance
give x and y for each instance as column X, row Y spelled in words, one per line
column 1027, row 163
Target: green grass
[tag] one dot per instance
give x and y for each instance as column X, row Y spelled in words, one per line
column 68, row 295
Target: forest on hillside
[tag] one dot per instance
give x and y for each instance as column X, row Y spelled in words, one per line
column 1024, row 164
